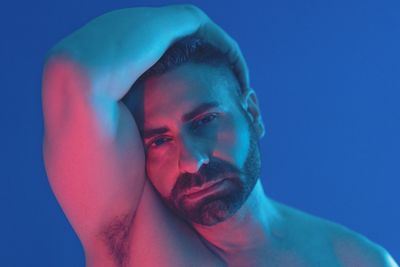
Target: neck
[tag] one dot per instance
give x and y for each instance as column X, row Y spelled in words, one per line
column 247, row 233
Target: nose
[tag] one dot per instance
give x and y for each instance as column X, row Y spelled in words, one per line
column 191, row 158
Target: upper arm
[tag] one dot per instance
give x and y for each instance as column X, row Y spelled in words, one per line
column 93, row 154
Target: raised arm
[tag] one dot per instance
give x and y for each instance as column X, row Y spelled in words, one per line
column 92, row 149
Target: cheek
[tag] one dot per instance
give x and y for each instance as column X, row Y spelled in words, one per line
column 233, row 141
column 161, row 170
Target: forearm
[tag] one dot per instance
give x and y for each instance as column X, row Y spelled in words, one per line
column 117, row 47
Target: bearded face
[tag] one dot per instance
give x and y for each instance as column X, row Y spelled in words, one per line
column 201, row 141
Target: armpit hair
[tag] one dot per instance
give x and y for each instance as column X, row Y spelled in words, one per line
column 116, row 237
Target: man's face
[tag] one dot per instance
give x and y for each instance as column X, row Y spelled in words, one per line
column 202, row 154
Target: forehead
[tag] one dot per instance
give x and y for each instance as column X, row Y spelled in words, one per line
column 185, row 87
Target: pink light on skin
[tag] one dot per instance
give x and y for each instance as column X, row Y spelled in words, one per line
column 165, row 102
column 79, row 143
column 258, row 232
column 226, row 137
column 96, row 164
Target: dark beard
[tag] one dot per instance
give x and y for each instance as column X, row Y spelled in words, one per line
column 220, row 206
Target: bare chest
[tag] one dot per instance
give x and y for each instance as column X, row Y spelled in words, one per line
column 159, row 238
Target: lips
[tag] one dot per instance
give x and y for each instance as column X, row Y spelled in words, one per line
column 195, row 192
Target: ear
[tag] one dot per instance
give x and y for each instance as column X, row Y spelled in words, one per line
column 251, row 108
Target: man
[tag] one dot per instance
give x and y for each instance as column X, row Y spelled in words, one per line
column 151, row 148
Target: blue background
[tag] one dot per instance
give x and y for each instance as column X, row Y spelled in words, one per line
column 327, row 76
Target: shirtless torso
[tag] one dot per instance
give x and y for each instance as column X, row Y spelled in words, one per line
column 159, row 238
column 95, row 160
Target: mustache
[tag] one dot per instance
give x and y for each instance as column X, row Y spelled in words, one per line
column 215, row 170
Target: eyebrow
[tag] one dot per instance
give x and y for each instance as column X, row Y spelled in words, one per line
column 198, row 110
column 147, row 133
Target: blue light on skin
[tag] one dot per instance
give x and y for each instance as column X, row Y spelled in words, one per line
column 184, row 144
column 261, row 231
column 177, row 142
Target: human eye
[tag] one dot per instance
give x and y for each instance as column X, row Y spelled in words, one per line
column 158, row 141
column 203, row 120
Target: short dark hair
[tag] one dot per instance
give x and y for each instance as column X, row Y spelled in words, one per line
column 189, row 49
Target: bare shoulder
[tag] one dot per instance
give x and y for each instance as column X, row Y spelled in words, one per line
column 354, row 249
column 321, row 240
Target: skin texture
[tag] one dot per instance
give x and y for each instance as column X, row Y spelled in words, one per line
column 214, row 143
column 259, row 232
column 93, row 154
column 124, row 194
